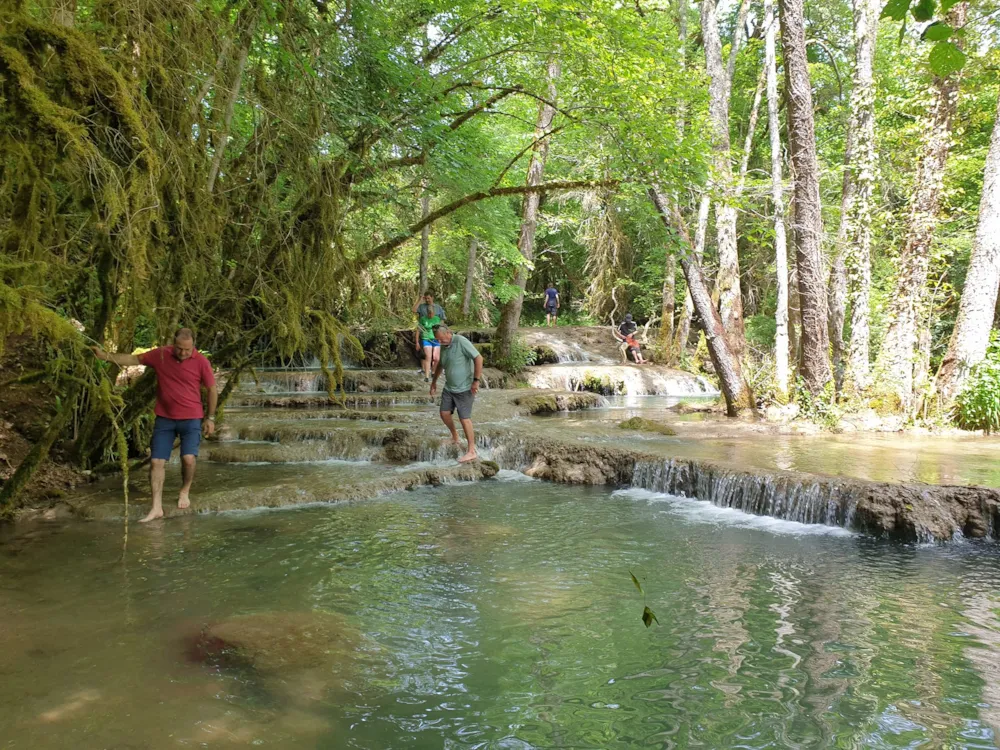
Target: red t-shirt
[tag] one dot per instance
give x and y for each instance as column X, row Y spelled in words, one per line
column 178, row 384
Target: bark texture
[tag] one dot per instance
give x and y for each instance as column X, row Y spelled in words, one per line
column 683, row 329
column 666, row 335
column 725, row 361
column 814, row 362
column 854, row 247
column 425, row 237
column 727, row 282
column 971, row 336
column 897, row 358
column 510, row 316
column 470, row 277
column 778, row 199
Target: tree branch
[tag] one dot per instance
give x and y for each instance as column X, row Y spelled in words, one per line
column 494, row 192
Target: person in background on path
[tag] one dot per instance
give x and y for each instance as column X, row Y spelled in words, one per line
column 463, row 367
column 551, row 304
column 627, row 328
column 181, row 371
column 428, row 315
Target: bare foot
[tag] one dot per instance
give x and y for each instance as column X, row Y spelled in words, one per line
column 468, row 457
column 183, row 501
column 453, row 441
column 152, row 516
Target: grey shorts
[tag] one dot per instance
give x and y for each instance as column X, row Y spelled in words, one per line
column 461, row 401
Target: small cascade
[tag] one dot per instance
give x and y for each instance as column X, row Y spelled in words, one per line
column 619, row 380
column 903, row 512
column 785, row 496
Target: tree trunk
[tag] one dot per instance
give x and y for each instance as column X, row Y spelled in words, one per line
column 778, row 199
column 470, row 276
column 726, row 363
column 510, row 316
column 222, row 139
column 683, row 331
column 814, row 364
column 666, row 335
column 855, row 233
column 971, row 336
column 727, row 282
column 425, row 236
column 897, row 357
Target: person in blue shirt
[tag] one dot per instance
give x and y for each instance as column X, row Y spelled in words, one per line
column 551, row 305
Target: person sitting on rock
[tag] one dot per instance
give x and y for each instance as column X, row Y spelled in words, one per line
column 463, row 367
column 633, row 346
column 181, row 371
column 428, row 315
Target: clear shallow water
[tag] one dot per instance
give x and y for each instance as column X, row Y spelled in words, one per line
column 495, row 615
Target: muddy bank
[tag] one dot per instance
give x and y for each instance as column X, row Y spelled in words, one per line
column 900, row 512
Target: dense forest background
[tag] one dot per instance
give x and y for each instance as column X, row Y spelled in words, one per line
column 285, row 175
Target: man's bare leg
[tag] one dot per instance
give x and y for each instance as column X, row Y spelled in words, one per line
column 470, row 437
column 157, row 470
column 450, row 424
column 187, row 471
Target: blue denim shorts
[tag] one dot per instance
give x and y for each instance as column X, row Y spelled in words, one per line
column 164, row 432
column 430, row 342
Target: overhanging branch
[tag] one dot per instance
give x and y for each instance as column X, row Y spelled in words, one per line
column 392, row 243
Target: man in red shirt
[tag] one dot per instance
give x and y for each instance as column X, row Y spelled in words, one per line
column 181, row 371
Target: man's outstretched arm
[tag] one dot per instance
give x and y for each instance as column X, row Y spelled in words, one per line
column 122, row 360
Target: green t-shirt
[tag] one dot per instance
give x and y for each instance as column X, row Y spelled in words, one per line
column 457, row 359
column 427, row 327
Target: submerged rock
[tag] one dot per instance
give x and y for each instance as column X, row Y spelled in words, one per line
column 551, row 403
column 647, row 425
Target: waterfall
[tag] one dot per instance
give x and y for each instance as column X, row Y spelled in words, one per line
column 903, row 512
column 787, row 496
column 619, row 380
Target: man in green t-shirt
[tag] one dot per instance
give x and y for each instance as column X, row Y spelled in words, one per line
column 428, row 315
column 463, row 367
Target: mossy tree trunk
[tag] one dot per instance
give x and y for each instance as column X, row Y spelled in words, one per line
column 778, row 201
column 814, row 361
column 897, row 357
column 510, row 316
column 971, row 336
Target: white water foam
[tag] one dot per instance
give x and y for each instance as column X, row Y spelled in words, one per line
column 700, row 511
column 509, row 475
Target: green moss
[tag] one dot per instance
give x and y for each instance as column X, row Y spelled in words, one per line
column 646, row 425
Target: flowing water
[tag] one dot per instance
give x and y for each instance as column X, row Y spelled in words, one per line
column 494, row 615
column 883, row 457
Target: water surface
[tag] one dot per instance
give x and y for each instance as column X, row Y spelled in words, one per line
column 495, row 615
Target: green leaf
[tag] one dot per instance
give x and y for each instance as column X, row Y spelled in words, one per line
column 946, row 58
column 937, row 32
column 636, row 582
column 648, row 618
column 946, row 5
column 924, row 10
column 896, row 9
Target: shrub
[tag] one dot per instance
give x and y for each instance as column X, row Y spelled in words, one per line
column 521, row 356
column 978, row 405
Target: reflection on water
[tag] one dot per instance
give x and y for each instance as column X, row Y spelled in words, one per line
column 885, row 457
column 498, row 614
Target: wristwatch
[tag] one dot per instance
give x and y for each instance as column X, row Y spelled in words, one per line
column 475, row 380
column 210, row 419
